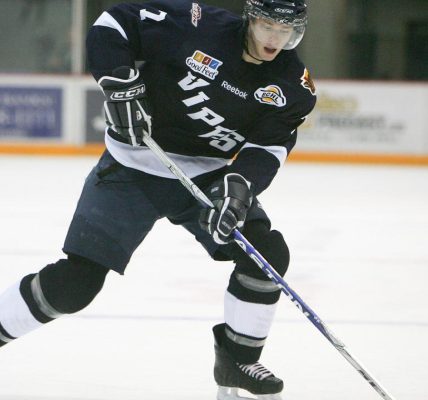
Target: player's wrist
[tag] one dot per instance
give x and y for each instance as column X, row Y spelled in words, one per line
column 119, row 78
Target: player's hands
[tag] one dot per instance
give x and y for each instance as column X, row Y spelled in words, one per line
column 126, row 108
column 232, row 197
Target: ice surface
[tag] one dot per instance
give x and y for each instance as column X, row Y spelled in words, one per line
column 359, row 242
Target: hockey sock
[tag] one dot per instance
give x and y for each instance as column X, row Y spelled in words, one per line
column 61, row 288
column 16, row 319
column 251, row 297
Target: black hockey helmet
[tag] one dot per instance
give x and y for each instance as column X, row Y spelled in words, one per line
column 291, row 13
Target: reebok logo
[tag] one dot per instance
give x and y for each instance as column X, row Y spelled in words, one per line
column 226, row 85
column 196, row 13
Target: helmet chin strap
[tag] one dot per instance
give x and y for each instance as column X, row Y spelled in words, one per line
column 246, row 49
column 255, row 58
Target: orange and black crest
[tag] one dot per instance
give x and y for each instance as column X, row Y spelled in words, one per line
column 308, row 83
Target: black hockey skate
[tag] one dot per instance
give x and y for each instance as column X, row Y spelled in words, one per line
column 231, row 376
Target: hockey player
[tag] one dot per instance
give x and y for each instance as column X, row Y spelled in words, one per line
column 213, row 87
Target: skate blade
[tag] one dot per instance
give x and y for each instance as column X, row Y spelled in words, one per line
column 228, row 393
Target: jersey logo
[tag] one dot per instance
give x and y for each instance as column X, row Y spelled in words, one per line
column 196, row 13
column 236, row 91
column 308, row 83
column 204, row 64
column 221, row 138
column 271, row 95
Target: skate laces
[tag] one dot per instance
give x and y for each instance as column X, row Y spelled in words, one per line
column 255, row 370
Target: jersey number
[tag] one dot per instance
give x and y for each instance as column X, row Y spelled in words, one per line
column 155, row 17
column 223, row 139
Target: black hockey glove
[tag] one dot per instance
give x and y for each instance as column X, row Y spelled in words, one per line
column 232, row 197
column 126, row 108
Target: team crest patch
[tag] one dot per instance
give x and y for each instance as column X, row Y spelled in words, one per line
column 196, row 13
column 271, row 95
column 204, row 64
column 308, row 83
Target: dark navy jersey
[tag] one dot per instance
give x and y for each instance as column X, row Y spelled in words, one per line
column 208, row 105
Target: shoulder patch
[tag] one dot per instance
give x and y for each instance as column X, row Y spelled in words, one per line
column 196, row 13
column 308, row 83
column 271, row 95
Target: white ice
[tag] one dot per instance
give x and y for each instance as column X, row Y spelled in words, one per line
column 359, row 242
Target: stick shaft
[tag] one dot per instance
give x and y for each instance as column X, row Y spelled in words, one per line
column 261, row 262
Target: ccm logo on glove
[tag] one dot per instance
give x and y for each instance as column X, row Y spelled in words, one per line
column 128, row 94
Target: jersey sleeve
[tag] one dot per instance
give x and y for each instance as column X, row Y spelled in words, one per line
column 129, row 32
column 270, row 142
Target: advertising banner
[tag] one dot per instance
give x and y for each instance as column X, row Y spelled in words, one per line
column 95, row 121
column 30, row 112
column 364, row 117
column 367, row 118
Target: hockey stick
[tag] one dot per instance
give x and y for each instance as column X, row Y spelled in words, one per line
column 268, row 270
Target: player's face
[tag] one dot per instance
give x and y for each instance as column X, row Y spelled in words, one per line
column 267, row 38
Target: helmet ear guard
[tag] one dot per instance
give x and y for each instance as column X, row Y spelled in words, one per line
column 292, row 13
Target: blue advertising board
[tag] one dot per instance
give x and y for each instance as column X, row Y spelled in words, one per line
column 30, row 112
